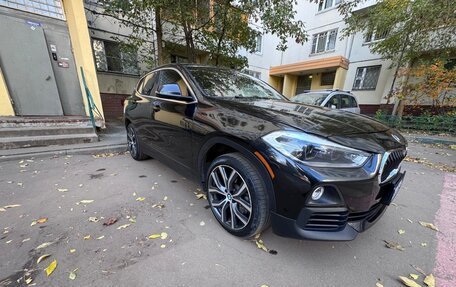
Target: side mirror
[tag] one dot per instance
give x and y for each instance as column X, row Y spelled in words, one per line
column 170, row 90
column 333, row 107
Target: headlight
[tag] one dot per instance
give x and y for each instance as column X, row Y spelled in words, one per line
column 315, row 151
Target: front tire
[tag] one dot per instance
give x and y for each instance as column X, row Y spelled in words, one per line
column 134, row 146
column 237, row 195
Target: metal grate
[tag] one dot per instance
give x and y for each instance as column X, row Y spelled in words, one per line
column 392, row 162
column 327, row 221
column 50, row 8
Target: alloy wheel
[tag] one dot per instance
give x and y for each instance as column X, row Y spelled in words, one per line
column 230, row 197
column 132, row 141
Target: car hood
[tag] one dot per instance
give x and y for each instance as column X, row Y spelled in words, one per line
column 340, row 126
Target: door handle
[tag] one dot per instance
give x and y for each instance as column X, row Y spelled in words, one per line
column 156, row 107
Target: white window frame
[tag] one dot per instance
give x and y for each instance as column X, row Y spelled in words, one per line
column 318, row 37
column 374, row 37
column 52, row 10
column 252, row 73
column 258, row 44
column 332, row 4
column 362, row 77
column 102, row 53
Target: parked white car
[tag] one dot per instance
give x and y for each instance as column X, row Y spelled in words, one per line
column 334, row 99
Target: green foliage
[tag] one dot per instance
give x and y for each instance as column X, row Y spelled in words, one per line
column 415, row 27
column 219, row 28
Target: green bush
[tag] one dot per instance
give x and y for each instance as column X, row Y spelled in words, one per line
column 445, row 123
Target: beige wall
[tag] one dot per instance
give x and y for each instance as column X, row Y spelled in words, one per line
column 6, row 109
column 116, row 84
column 82, row 49
column 289, row 85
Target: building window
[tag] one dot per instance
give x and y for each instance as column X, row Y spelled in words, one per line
column 326, row 4
column 110, row 57
column 323, row 42
column 49, row 8
column 375, row 36
column 327, row 79
column 252, row 73
column 258, row 43
column 366, row 78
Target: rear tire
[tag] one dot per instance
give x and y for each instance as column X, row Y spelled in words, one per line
column 134, row 147
column 237, row 195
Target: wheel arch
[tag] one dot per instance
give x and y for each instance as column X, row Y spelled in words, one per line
column 218, row 146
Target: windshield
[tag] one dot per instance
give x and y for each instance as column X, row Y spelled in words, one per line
column 230, row 84
column 310, row 98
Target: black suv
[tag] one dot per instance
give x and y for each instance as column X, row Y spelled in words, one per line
column 311, row 172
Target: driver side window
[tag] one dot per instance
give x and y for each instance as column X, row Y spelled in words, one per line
column 334, row 101
column 171, row 82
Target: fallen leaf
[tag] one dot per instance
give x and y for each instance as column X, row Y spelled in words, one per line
column 414, row 276
column 110, row 221
column 200, row 195
column 87, row 237
column 85, row 201
column 42, row 257
column 93, row 219
column 140, row 199
column 72, row 250
column 72, row 275
column 25, row 240
column 123, row 226
column 9, row 241
column 401, row 231
column 429, row 225
column 418, row 269
column 2, row 209
column 154, row 236
column 28, row 280
column 163, row 235
column 165, row 198
column 101, row 237
column 378, row 284
column 162, row 246
column 33, row 223
column 42, row 220
column 264, row 285
column 430, row 280
column 409, row 282
column 62, row 189
column 423, row 244
column 202, row 223
column 11, row 206
column 51, row 267
column 158, row 205
column 393, row 245
column 44, row 245
column 409, row 220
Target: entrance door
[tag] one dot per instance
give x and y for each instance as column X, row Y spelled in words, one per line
column 304, row 83
column 27, row 69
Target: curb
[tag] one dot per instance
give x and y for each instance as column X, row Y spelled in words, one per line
column 68, row 151
column 432, row 140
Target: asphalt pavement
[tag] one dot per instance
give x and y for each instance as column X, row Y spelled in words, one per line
column 62, row 202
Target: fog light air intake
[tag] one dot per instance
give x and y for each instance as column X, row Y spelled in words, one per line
column 325, row 195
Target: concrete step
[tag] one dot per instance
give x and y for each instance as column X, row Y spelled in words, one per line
column 13, row 122
column 44, row 131
column 46, row 140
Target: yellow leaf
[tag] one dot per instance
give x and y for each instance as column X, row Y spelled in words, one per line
column 164, row 235
column 165, row 198
column 51, row 267
column 2, row 209
column 44, row 245
column 162, row 246
column 101, row 237
column 378, row 284
column 264, row 285
column 154, row 236
column 140, row 199
column 430, row 280
column 87, row 237
column 42, row 257
column 423, row 244
column 409, row 282
column 72, row 250
column 42, row 220
column 86, row 201
column 62, row 189
column 401, row 231
column 414, row 276
column 429, row 225
column 33, row 223
column 123, row 226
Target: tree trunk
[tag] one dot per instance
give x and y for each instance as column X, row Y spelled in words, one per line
column 159, row 34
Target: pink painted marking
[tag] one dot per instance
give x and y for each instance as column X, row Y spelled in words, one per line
column 445, row 219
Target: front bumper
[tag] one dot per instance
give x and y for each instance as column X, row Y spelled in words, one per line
column 336, row 223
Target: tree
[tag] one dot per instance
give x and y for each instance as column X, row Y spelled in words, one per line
column 418, row 32
column 218, row 28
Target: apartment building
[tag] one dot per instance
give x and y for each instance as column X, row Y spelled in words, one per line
column 326, row 61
